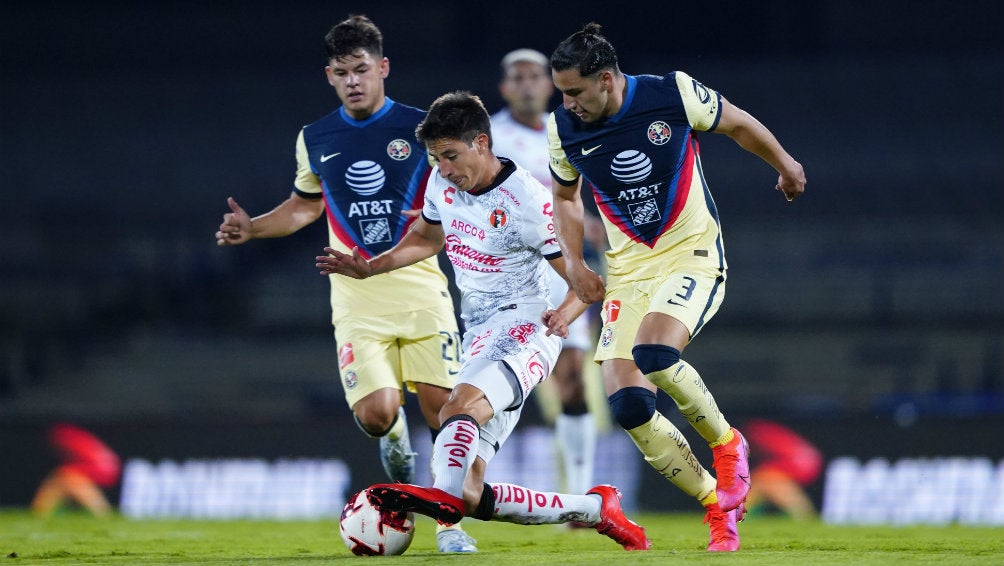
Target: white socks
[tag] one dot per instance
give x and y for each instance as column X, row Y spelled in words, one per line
column 576, row 437
column 517, row 504
column 453, row 454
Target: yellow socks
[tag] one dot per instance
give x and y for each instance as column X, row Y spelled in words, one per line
column 685, row 386
column 668, row 451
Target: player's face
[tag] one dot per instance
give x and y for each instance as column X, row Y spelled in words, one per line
column 358, row 81
column 586, row 97
column 466, row 166
column 526, row 88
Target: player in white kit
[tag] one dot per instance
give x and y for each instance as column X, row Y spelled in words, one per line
column 495, row 221
column 519, row 133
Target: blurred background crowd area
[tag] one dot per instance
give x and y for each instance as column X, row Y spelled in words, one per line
column 878, row 298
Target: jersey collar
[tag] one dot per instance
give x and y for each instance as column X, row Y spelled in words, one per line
column 508, row 168
column 388, row 103
column 632, row 87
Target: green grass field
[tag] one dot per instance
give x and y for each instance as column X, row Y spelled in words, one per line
column 678, row 538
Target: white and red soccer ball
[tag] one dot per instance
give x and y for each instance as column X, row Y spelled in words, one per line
column 368, row 531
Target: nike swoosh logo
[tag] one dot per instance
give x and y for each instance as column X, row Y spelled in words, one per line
column 590, row 150
column 327, row 157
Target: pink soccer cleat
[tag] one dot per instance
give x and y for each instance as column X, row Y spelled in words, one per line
column 732, row 469
column 724, row 534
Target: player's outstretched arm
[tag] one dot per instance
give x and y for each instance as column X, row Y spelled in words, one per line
column 568, row 222
column 422, row 241
column 558, row 319
column 755, row 138
column 291, row 215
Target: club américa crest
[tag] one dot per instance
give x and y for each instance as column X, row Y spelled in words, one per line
column 399, row 149
column 351, row 379
column 659, row 132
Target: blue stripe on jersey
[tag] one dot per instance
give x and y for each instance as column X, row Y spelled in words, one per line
column 710, row 203
column 713, row 210
column 632, row 87
column 387, row 105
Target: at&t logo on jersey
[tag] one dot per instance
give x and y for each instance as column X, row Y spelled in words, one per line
column 659, row 132
column 365, row 178
column 631, row 166
column 399, row 149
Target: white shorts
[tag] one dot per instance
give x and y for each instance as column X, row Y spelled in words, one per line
column 506, row 357
column 579, row 336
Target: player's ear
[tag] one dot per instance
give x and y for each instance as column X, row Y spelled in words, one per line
column 607, row 79
column 384, row 68
column 482, row 140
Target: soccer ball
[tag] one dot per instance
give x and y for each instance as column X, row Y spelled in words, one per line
column 368, row 531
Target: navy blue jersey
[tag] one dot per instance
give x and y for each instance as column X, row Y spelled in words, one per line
column 643, row 168
column 369, row 172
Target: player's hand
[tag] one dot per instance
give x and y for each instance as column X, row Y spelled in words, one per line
column 587, row 283
column 338, row 263
column 555, row 322
column 236, row 226
column 792, row 182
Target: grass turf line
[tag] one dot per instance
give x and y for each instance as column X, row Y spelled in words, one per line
column 74, row 538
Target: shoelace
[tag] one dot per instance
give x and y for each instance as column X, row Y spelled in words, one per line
column 727, row 461
column 718, row 521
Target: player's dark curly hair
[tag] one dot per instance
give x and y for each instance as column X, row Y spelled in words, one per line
column 457, row 115
column 586, row 51
column 352, row 34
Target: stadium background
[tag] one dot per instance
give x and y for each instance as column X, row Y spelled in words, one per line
column 869, row 315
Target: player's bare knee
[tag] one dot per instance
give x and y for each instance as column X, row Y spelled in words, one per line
column 375, row 421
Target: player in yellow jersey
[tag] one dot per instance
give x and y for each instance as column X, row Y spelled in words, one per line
column 633, row 140
column 362, row 165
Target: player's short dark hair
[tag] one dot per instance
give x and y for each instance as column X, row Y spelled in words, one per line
column 352, row 34
column 586, row 51
column 457, row 115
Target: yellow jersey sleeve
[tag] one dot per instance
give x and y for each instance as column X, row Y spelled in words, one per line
column 560, row 166
column 306, row 180
column 701, row 103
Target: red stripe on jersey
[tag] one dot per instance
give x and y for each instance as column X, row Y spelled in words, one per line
column 682, row 184
column 419, row 201
column 682, row 191
column 342, row 235
column 613, row 216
